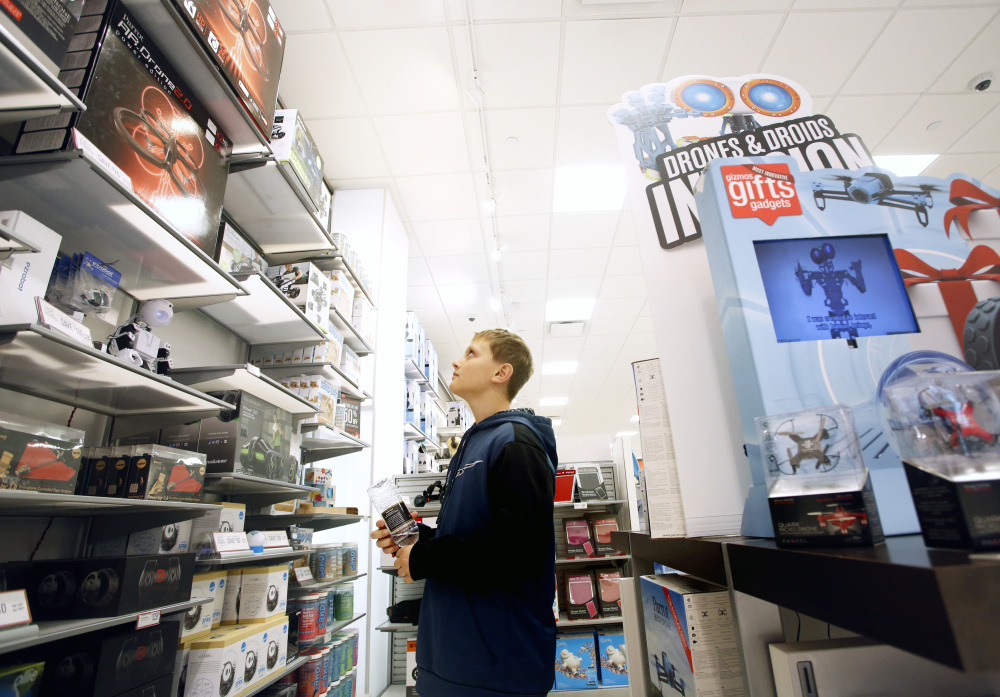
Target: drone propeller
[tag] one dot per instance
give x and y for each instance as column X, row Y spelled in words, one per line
column 838, row 178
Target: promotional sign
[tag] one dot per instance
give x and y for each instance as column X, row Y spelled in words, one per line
column 667, row 134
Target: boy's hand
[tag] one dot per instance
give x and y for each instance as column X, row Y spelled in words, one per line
column 382, row 538
column 402, row 564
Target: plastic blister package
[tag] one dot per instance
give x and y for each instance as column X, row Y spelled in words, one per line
column 83, row 283
column 39, row 456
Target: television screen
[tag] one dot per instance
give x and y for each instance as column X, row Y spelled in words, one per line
column 834, row 288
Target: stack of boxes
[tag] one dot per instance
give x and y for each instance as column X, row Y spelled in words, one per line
column 143, row 471
column 459, row 416
column 589, row 660
column 352, row 259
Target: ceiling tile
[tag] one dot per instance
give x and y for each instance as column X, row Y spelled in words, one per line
column 984, row 136
column 611, row 8
column 843, row 4
column 350, row 14
column 417, row 273
column 525, row 77
column 920, row 3
column 922, row 40
column 633, row 286
column 611, row 325
column 564, row 345
column 993, row 179
column 976, row 165
column 625, row 234
column 819, row 50
column 520, row 266
column 738, row 45
column 423, row 143
column 586, row 137
column 722, row 6
column 340, row 95
column 463, row 268
column 565, row 288
column 523, row 192
column 523, row 233
column 597, row 357
column 402, row 71
column 301, row 15
column 529, row 330
column 350, row 148
column 464, row 295
column 641, row 340
column 624, row 261
column 618, row 307
column 516, row 9
column 525, row 291
column 432, row 318
column 643, row 325
column 578, row 263
column 438, row 196
column 578, row 230
column 871, row 117
column 955, row 112
column 449, row 237
column 421, row 297
column 980, row 56
column 534, row 130
column 605, row 341
column 556, row 384
column 603, row 59
column 531, row 312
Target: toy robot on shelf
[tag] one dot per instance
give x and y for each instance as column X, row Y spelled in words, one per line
column 832, row 280
column 134, row 343
column 815, row 447
column 952, row 413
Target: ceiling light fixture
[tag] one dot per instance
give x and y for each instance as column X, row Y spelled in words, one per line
column 560, row 367
column 587, row 188
column 905, row 165
column 496, row 254
column 634, row 419
column 553, row 401
column 495, row 304
column 569, row 310
column 556, row 423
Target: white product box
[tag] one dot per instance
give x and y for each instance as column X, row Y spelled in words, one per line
column 412, row 413
column 217, row 663
column 197, row 621
column 411, row 668
column 229, row 517
column 173, row 538
column 341, row 292
column 263, row 593
column 231, row 597
column 213, row 585
column 430, row 365
column 272, row 643
column 324, row 395
column 350, row 364
column 25, row 276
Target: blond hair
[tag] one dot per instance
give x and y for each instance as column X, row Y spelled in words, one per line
column 508, row 347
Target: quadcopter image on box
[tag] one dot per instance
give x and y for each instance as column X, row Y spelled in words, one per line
column 876, row 188
column 667, row 673
column 841, row 520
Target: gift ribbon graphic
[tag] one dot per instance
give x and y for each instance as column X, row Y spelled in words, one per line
column 956, row 288
column 966, row 197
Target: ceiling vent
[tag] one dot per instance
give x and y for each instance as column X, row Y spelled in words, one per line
column 566, row 329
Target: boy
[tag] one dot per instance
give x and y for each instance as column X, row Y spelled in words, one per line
column 486, row 625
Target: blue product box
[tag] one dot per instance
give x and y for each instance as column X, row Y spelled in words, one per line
column 576, row 664
column 613, row 661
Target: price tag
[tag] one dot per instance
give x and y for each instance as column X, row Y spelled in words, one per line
column 230, row 542
column 98, row 157
column 303, row 574
column 582, row 506
column 148, row 619
column 14, row 609
column 275, row 538
column 53, row 318
column 253, row 370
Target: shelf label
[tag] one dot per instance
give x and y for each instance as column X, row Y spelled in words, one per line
column 302, row 574
column 148, row 619
column 102, row 161
column 230, row 542
column 14, row 609
column 55, row 319
column 275, row 538
column 582, row 506
column 253, row 370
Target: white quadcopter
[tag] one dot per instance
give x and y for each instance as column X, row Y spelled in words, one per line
column 134, row 343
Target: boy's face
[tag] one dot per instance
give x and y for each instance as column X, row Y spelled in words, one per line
column 472, row 373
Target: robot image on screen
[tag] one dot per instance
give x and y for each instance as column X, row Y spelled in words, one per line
column 832, row 280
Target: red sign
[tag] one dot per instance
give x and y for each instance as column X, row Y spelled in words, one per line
column 761, row 191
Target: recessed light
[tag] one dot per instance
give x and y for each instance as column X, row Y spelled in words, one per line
column 905, row 165
column 934, row 125
column 626, row 434
column 553, row 401
column 586, row 188
column 556, row 423
column 634, row 419
column 511, row 141
column 569, row 310
column 560, row 367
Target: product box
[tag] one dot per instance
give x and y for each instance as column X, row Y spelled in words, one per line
column 109, row 663
column 590, row 483
column 25, row 276
column 183, row 436
column 23, row 680
column 39, row 456
column 565, row 486
column 352, row 415
column 609, row 592
column 119, row 464
column 160, row 473
column 321, row 393
column 411, row 668
column 217, row 664
column 142, row 122
column 101, row 586
column 603, row 527
column 44, row 28
column 690, row 632
column 211, row 584
column 235, row 254
column 431, row 367
column 342, row 292
column 412, row 405
column 172, row 538
column 612, row 659
column 575, row 667
column 350, row 365
column 291, row 142
column 231, row 597
column 161, row 686
column 306, row 286
column 263, row 593
column 266, row 649
column 197, row 621
column 841, row 519
column 247, row 43
column 581, row 598
column 254, row 438
column 579, row 542
column 228, row 517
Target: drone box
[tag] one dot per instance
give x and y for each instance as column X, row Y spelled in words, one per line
column 253, row 438
column 840, row 519
column 957, row 514
column 235, row 254
column 228, row 517
column 45, row 29
column 247, row 43
column 575, row 668
column 582, row 602
column 291, row 142
column 603, row 526
column 217, row 664
column 173, row 538
column 609, row 592
column 579, row 540
column 22, row 680
column 39, row 456
column 691, row 640
column 142, row 123
column 612, row 658
column 263, row 593
column 25, row 276
column 101, row 586
column 160, row 473
column 109, row 663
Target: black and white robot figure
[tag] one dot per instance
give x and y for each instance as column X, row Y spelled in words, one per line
column 134, row 343
column 832, row 281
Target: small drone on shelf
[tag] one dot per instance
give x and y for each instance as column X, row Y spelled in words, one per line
column 841, row 518
column 953, row 414
column 812, row 446
column 877, row 188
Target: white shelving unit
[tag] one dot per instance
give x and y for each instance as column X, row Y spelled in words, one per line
column 28, row 89
column 246, row 377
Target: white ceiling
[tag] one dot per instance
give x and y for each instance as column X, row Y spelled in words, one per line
column 385, row 88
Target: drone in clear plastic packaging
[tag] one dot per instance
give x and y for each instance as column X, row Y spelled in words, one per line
column 952, row 412
column 812, row 445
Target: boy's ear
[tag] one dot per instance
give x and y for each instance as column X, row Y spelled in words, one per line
column 503, row 374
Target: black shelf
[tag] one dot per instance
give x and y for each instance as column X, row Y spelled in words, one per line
column 701, row 557
column 593, row 561
column 28, row 89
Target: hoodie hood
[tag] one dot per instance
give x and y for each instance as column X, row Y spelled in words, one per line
column 541, row 425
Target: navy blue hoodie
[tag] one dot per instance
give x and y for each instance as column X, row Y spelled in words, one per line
column 486, row 624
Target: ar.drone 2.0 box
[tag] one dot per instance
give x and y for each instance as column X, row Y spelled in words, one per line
column 246, row 41
column 142, row 123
